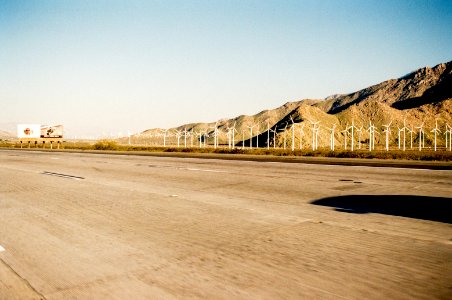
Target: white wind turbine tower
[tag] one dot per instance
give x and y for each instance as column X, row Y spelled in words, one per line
column 274, row 136
column 314, row 134
column 190, row 135
column 251, row 135
column 372, row 132
column 387, row 131
column 285, row 136
column 233, row 135
column 215, row 135
column 293, row 134
column 317, row 130
column 332, row 137
column 450, row 138
column 268, row 134
column 164, row 136
column 257, row 134
column 411, row 130
column 185, row 137
column 360, row 131
column 345, row 131
column 403, row 129
column 421, row 136
column 228, row 134
column 404, row 133
column 353, row 137
column 243, row 138
column 198, row 135
column 399, row 131
column 435, row 130
column 178, row 136
column 447, row 132
column 301, row 136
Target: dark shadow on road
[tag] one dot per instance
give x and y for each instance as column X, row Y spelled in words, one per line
column 419, row 207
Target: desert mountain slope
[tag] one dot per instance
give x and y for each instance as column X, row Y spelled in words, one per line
column 423, row 96
column 423, row 86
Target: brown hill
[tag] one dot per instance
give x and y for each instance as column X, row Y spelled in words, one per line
column 422, row 96
column 426, row 85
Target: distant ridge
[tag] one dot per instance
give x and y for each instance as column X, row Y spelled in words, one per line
column 6, row 135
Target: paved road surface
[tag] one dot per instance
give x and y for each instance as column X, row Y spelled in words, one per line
column 83, row 226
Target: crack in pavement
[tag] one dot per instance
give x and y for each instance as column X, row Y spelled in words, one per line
column 27, row 283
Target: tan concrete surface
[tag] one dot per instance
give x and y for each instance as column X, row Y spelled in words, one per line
column 82, row 226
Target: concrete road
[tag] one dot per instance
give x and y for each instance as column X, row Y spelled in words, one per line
column 84, row 226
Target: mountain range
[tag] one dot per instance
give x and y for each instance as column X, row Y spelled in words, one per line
column 422, row 96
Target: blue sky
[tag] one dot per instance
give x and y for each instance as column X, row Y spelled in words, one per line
column 110, row 66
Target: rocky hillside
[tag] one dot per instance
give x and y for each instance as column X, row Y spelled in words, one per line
column 422, row 96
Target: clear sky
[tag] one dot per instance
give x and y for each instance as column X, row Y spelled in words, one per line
column 102, row 67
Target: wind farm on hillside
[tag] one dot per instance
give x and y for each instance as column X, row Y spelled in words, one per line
column 409, row 113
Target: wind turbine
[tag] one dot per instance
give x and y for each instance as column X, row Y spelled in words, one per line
column 435, row 130
column 421, row 136
column 268, row 134
column 274, row 136
column 185, row 137
column 399, row 139
column 345, row 131
column 293, row 134
column 198, row 134
column 332, row 137
column 215, row 135
column 228, row 133
column 285, row 135
column 190, row 134
column 411, row 130
column 372, row 132
column 360, row 131
column 450, row 138
column 404, row 132
column 178, row 136
column 257, row 134
column 164, row 137
column 353, row 138
column 447, row 132
column 388, row 132
column 317, row 137
column 230, row 136
column 251, row 135
column 314, row 134
column 301, row 136
column 233, row 135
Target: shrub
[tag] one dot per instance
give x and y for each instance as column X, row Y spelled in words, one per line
column 106, row 145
